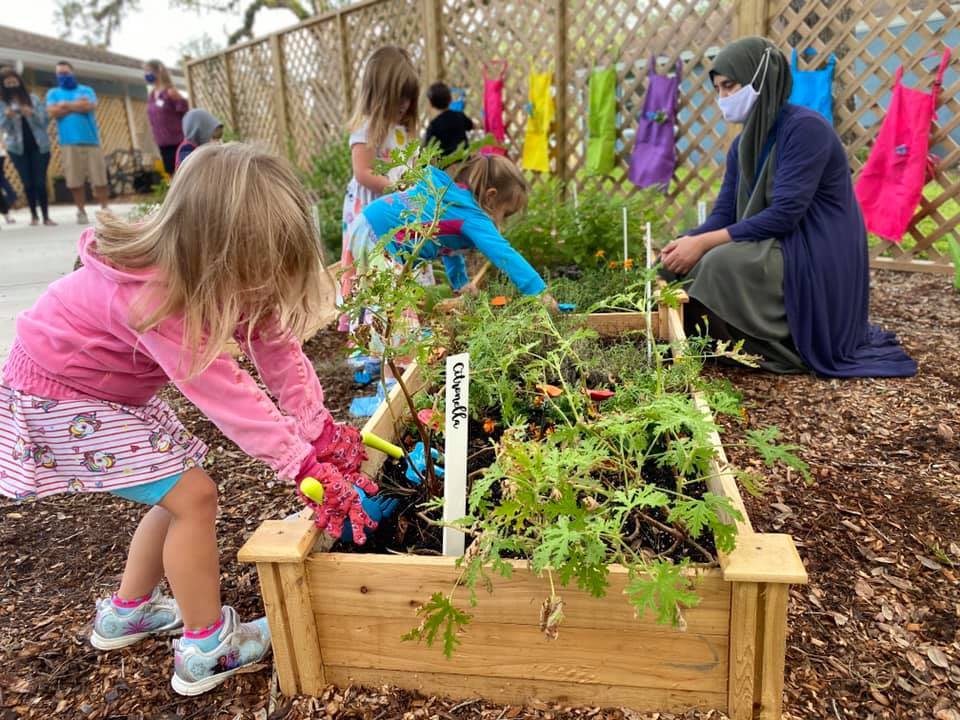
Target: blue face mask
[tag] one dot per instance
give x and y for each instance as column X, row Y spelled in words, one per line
column 67, row 82
column 150, row 78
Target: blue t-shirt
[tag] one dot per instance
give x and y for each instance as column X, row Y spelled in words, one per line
column 75, row 128
column 464, row 226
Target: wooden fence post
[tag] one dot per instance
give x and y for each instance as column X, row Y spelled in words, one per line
column 280, row 96
column 231, row 95
column 346, row 77
column 188, row 71
column 433, row 33
column 561, row 81
column 751, row 18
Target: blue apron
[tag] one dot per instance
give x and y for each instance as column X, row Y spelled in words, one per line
column 813, row 88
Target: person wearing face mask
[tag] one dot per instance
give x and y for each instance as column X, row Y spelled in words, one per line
column 781, row 262
column 165, row 110
column 73, row 106
column 23, row 122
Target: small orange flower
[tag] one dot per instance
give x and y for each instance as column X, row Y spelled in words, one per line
column 600, row 254
column 489, row 426
column 613, row 265
column 538, row 401
column 628, row 263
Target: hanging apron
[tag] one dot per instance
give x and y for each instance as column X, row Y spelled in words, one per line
column 654, row 155
column 493, row 111
column 540, row 110
column 892, row 181
column 813, row 88
column 458, row 99
column 602, row 122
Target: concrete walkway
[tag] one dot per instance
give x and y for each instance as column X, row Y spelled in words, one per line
column 33, row 257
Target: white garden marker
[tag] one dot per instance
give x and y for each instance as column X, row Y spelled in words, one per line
column 576, row 200
column 455, row 450
column 701, row 212
column 625, row 256
column 647, row 294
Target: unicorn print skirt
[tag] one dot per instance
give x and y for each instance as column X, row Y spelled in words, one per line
column 52, row 446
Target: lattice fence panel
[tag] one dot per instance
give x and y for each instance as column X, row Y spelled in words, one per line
column 391, row 22
column 870, row 41
column 628, row 35
column 316, row 109
column 481, row 31
column 211, row 88
column 253, row 82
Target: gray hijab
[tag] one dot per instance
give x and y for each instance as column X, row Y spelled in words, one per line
column 199, row 126
column 739, row 62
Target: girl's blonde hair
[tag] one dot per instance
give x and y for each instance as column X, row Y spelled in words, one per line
column 234, row 248
column 485, row 172
column 389, row 78
column 164, row 81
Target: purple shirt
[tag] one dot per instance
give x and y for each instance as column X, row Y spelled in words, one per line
column 166, row 116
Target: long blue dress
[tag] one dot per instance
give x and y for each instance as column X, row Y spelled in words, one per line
column 814, row 221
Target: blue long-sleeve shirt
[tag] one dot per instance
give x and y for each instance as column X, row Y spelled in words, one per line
column 463, row 227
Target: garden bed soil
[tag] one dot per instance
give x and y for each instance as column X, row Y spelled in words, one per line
column 869, row 635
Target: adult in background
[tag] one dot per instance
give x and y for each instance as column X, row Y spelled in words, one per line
column 24, row 120
column 73, row 106
column 165, row 109
column 782, row 260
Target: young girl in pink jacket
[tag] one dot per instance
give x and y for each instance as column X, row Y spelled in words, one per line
column 157, row 302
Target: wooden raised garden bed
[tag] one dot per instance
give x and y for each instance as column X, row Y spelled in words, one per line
column 338, row 618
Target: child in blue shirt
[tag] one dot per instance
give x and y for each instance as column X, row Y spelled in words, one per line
column 484, row 191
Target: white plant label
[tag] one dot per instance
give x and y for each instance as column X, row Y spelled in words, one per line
column 457, row 403
column 701, row 212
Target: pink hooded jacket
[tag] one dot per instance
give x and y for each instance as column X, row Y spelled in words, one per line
column 76, row 342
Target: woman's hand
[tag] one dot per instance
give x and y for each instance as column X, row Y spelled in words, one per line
column 680, row 255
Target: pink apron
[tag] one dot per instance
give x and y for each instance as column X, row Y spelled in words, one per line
column 493, row 111
column 892, row 181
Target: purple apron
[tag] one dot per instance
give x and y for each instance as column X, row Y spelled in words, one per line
column 654, row 154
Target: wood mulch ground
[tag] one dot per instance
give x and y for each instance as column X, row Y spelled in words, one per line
column 876, row 634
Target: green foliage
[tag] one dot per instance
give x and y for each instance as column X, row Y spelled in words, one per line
column 954, row 248
column 440, row 617
column 326, row 177
column 764, row 440
column 663, row 588
column 553, row 233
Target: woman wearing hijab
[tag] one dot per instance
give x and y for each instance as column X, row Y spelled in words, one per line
column 781, row 261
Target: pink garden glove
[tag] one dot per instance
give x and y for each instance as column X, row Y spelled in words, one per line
column 341, row 445
column 341, row 501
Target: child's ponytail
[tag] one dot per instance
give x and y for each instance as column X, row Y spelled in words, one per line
column 483, row 173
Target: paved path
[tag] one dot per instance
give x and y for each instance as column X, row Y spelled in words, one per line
column 33, row 257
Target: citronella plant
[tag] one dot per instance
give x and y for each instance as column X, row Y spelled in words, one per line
column 623, row 482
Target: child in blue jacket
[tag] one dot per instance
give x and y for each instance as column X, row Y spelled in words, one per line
column 483, row 192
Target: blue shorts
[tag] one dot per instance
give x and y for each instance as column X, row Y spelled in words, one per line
column 149, row 493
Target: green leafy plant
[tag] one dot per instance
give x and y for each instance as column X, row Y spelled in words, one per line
column 326, row 178
column 555, row 231
column 575, row 489
column 954, row 247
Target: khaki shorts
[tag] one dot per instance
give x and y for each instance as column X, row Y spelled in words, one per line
column 83, row 162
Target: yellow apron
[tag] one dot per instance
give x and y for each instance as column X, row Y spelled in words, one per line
column 540, row 109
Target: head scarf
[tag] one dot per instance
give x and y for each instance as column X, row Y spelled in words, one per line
column 739, row 61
